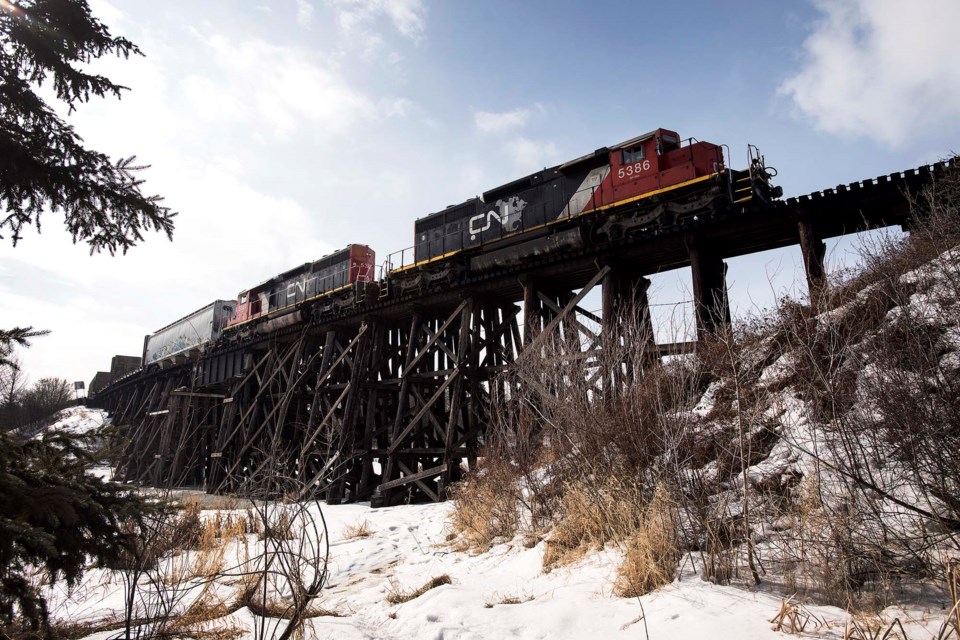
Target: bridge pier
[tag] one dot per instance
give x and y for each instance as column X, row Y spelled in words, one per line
column 449, row 370
column 709, row 273
column 532, row 309
column 813, row 250
column 627, row 328
column 625, row 303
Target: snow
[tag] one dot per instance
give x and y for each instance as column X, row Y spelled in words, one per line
column 80, row 420
column 408, row 546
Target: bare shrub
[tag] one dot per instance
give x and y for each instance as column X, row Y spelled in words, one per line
column 289, row 572
column 251, row 597
column 857, row 389
column 28, row 410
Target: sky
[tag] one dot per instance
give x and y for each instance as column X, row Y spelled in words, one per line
column 283, row 130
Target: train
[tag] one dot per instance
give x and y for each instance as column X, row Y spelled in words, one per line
column 654, row 181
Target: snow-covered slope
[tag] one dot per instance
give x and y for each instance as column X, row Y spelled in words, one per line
column 408, row 546
column 80, row 420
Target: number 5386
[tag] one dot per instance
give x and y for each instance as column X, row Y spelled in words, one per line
column 633, row 169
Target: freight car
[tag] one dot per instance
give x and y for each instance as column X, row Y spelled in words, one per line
column 651, row 180
column 187, row 336
column 279, row 298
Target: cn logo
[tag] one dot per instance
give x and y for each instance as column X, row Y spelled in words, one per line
column 482, row 222
column 506, row 212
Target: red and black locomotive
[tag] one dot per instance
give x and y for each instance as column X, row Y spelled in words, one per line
column 279, row 299
column 652, row 179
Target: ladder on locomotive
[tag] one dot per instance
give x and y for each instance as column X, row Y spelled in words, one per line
column 754, row 180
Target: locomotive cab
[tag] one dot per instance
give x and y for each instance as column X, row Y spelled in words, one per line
column 658, row 160
column 250, row 304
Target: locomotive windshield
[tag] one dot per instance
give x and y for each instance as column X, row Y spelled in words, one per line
column 633, row 155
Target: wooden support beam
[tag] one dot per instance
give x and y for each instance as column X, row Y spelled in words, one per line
column 197, row 394
column 398, row 439
column 531, row 311
column 708, row 270
column 426, row 348
column 813, row 250
column 533, row 344
column 426, row 473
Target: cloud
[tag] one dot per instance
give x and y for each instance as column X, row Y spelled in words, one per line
column 504, row 121
column 407, row 16
column 195, row 106
column 305, row 13
column 396, row 107
column 276, row 88
column 489, row 122
column 107, row 13
column 531, row 155
column 881, row 69
column 357, row 22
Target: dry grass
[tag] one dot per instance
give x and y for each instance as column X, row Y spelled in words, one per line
column 357, row 530
column 486, row 507
column 496, row 598
column 652, row 551
column 207, row 559
column 250, row 595
column 795, row 618
column 206, row 608
column 284, row 609
column 953, row 588
column 64, row 630
column 397, row 595
column 185, row 529
column 590, row 517
column 275, row 521
column 203, row 620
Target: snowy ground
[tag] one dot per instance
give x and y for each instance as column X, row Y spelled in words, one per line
column 408, row 547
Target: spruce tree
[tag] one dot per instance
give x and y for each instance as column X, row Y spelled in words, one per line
column 43, row 162
column 53, row 513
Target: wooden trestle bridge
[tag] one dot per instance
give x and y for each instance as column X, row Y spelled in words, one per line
column 389, row 399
